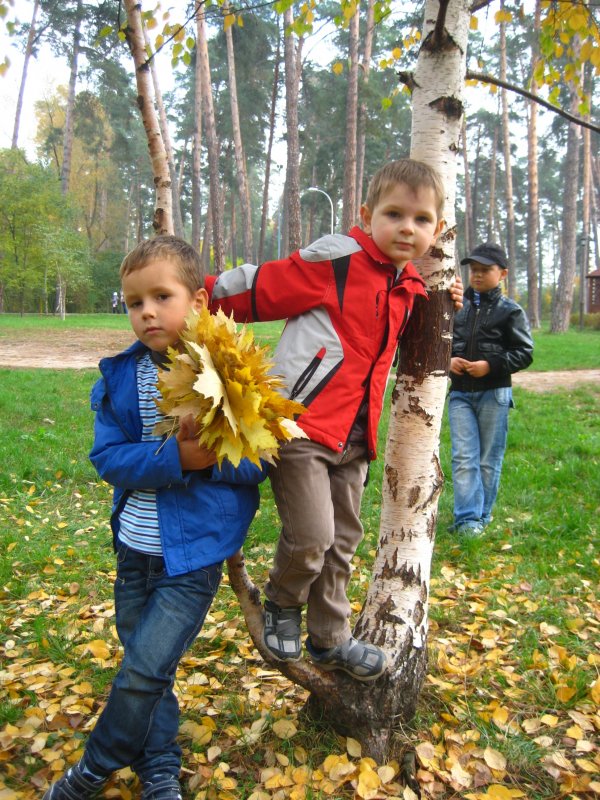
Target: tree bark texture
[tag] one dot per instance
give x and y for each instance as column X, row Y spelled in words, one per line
column 163, row 216
column 212, row 144
column 240, row 158
column 65, row 172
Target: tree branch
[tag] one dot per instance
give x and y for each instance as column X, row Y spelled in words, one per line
column 484, row 78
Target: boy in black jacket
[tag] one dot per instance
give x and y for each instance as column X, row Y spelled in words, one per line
column 491, row 340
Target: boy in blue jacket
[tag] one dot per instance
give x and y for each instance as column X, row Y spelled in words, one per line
column 176, row 517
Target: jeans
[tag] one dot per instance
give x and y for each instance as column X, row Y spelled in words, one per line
column 157, row 617
column 478, row 428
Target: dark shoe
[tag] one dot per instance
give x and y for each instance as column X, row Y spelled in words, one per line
column 281, row 634
column 161, row 787
column 469, row 530
column 75, row 784
column 362, row 660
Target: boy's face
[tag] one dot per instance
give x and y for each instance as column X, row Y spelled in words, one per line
column 158, row 303
column 404, row 223
column 485, row 277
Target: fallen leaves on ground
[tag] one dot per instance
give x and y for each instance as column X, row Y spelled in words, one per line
column 510, row 708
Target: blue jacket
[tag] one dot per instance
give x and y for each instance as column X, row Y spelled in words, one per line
column 203, row 515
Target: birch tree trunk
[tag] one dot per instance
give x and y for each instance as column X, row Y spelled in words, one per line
column 508, row 181
column 292, row 173
column 166, row 137
column 28, row 49
column 212, row 144
column 349, row 190
column 240, row 158
column 533, row 308
column 163, row 217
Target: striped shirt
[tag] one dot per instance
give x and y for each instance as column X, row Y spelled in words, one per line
column 138, row 523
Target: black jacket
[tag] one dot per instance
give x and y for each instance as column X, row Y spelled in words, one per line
column 497, row 332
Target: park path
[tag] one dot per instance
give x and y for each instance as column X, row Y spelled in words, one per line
column 82, row 349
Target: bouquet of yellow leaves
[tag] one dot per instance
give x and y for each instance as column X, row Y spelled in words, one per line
column 223, row 379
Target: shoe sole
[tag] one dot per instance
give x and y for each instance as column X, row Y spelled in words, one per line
column 361, row 678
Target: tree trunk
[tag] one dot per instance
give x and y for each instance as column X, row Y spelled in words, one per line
column 510, row 205
column 65, row 172
column 240, row 158
column 292, row 173
column 362, row 111
column 28, row 49
column 533, row 309
column 586, row 179
column 563, row 298
column 166, row 137
column 212, row 144
column 163, row 217
column 469, row 229
column 197, row 159
column 349, row 217
column 491, row 225
column 265, row 201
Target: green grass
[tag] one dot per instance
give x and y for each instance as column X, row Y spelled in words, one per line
column 537, row 566
column 571, row 350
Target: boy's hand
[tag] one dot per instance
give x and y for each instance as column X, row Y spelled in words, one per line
column 476, row 369
column 191, row 454
column 456, row 292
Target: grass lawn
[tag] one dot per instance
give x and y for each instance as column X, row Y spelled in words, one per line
column 512, row 698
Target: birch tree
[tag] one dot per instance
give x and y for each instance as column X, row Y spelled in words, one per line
column 27, row 56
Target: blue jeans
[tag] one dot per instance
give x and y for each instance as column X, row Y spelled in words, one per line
column 478, row 428
column 157, row 617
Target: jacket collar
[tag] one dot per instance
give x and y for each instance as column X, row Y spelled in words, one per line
column 485, row 297
column 368, row 245
column 108, row 365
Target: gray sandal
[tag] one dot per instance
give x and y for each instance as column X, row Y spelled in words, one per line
column 281, row 634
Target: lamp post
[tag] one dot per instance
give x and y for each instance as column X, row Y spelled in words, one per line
column 315, row 189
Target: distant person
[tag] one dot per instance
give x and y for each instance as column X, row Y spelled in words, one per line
column 115, row 302
column 347, row 299
column 491, row 340
column 122, row 301
column 176, row 517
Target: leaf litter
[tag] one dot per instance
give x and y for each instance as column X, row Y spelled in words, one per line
column 497, row 720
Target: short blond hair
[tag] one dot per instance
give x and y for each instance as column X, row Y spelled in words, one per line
column 168, row 248
column 414, row 174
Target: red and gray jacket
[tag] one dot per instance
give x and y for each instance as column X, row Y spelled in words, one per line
column 346, row 308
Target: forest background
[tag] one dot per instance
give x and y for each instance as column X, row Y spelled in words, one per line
column 62, row 240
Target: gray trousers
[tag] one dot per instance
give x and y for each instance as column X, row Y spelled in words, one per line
column 318, row 494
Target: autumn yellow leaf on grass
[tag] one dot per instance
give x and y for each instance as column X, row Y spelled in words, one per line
column 223, row 379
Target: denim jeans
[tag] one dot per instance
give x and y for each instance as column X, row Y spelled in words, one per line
column 157, row 617
column 478, row 428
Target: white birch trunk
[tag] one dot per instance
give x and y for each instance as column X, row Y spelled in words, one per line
column 163, row 216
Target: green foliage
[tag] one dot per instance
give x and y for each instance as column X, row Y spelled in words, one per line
column 39, row 242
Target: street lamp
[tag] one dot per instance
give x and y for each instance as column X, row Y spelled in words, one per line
column 314, row 189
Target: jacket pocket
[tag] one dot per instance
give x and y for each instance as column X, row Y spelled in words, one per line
column 307, row 374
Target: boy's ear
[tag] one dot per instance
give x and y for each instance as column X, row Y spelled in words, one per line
column 365, row 215
column 438, row 229
column 199, row 299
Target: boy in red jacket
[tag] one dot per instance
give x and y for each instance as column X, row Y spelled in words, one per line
column 347, row 300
